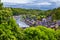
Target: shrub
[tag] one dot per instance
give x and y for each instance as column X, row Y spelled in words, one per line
column 35, row 34
column 48, row 31
column 57, row 34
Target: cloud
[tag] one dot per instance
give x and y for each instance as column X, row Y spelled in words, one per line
column 44, row 3
column 37, row 3
column 31, row 2
column 40, row 3
column 57, row 3
column 55, row 0
column 16, row 1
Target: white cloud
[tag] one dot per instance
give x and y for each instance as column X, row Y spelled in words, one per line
column 57, row 2
column 44, row 3
column 40, row 3
column 19, row 1
column 16, row 1
column 34, row 2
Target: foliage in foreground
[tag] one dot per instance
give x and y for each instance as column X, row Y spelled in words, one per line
column 32, row 33
column 9, row 30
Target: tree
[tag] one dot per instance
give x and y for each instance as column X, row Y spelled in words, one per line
column 1, row 4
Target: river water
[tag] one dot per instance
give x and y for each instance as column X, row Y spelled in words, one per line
column 20, row 21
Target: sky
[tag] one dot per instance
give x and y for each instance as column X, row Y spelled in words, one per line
column 45, row 3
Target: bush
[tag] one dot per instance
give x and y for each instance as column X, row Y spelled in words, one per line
column 39, row 33
column 10, row 33
column 58, row 34
column 48, row 31
column 32, row 33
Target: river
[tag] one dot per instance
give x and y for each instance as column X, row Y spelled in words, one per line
column 20, row 21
